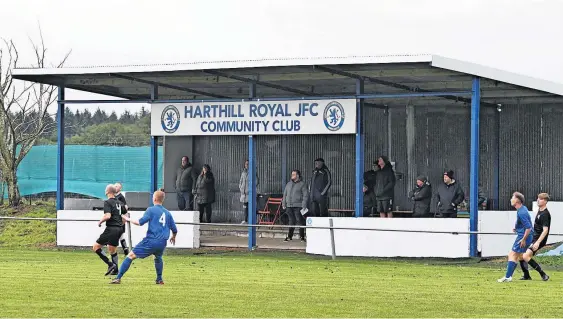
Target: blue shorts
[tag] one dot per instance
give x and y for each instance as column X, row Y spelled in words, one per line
column 516, row 247
column 149, row 247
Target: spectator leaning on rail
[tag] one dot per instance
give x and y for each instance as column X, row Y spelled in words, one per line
column 183, row 181
column 204, row 192
column 369, row 190
column 243, row 187
column 294, row 200
column 421, row 195
column 384, row 187
column 320, row 184
column 449, row 196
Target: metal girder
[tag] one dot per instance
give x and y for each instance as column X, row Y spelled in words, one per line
column 258, row 82
column 375, row 105
column 169, row 86
column 393, row 84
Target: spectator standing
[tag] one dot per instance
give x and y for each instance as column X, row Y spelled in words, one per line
column 184, row 180
column 320, row 184
column 449, row 196
column 369, row 190
column 384, row 187
column 294, row 200
column 243, row 186
column 204, row 192
column 421, row 196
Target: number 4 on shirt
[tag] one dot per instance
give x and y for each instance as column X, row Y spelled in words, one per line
column 162, row 220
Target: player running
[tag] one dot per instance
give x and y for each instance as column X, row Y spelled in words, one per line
column 110, row 236
column 119, row 196
column 160, row 224
column 542, row 224
column 523, row 240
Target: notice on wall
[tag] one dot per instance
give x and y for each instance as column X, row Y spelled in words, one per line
column 254, row 118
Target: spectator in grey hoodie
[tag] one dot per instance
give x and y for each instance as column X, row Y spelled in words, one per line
column 243, row 187
column 294, row 200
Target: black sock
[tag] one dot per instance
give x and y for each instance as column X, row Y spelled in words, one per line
column 524, row 266
column 114, row 258
column 124, row 245
column 536, row 266
column 103, row 256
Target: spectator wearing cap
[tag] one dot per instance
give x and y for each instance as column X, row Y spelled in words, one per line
column 421, row 196
column 320, row 184
column 369, row 190
column 385, row 187
column 184, row 180
column 449, row 196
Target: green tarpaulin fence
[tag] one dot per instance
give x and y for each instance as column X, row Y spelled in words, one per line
column 88, row 169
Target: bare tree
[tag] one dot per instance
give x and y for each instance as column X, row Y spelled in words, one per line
column 23, row 112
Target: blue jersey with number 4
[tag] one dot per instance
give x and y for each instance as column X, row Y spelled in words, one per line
column 160, row 222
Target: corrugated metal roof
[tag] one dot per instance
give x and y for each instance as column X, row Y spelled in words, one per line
column 301, row 77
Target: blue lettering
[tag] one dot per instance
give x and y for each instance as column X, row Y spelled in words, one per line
column 197, row 112
column 206, row 110
column 262, row 110
column 297, row 125
column 313, row 113
column 252, row 110
column 240, row 114
column 224, row 111
column 203, row 127
column 188, row 111
column 247, row 126
column 276, row 126
column 279, row 110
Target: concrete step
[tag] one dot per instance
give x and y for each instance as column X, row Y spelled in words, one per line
column 241, row 231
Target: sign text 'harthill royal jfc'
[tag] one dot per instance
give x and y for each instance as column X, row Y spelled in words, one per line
column 254, row 118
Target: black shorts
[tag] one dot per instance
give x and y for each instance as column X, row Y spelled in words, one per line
column 110, row 236
column 384, row 206
column 535, row 251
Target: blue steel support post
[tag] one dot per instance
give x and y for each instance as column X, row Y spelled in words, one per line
column 474, row 167
column 359, row 151
column 251, row 183
column 154, row 152
column 61, row 150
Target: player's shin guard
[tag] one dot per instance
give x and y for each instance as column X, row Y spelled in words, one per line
column 536, row 266
column 510, row 269
column 124, row 245
column 158, row 266
column 115, row 259
column 524, row 266
column 103, row 256
column 124, row 267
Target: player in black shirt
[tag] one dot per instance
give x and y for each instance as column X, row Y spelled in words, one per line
column 542, row 224
column 119, row 196
column 112, row 233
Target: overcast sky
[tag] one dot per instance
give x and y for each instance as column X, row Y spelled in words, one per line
column 522, row 36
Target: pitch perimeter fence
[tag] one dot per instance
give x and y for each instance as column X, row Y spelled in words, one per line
column 331, row 228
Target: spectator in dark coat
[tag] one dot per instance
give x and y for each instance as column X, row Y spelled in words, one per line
column 449, row 196
column 183, row 181
column 243, row 187
column 421, row 195
column 369, row 190
column 384, row 187
column 204, row 192
column 294, row 200
column 320, row 184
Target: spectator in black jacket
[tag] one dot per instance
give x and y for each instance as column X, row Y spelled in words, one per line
column 320, row 184
column 384, row 187
column 421, row 195
column 183, row 181
column 449, row 196
column 369, row 190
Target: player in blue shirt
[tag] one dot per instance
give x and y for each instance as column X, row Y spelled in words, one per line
column 160, row 224
column 523, row 230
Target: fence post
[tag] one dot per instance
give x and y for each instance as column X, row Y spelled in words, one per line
column 332, row 238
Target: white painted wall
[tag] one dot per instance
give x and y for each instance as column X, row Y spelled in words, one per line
column 389, row 244
column 84, row 233
column 503, row 222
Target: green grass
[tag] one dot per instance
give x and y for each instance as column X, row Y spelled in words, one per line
column 43, row 283
column 28, row 233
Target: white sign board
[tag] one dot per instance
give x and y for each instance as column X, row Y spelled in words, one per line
column 254, row 118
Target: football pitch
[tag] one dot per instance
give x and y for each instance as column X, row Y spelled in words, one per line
column 52, row 283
